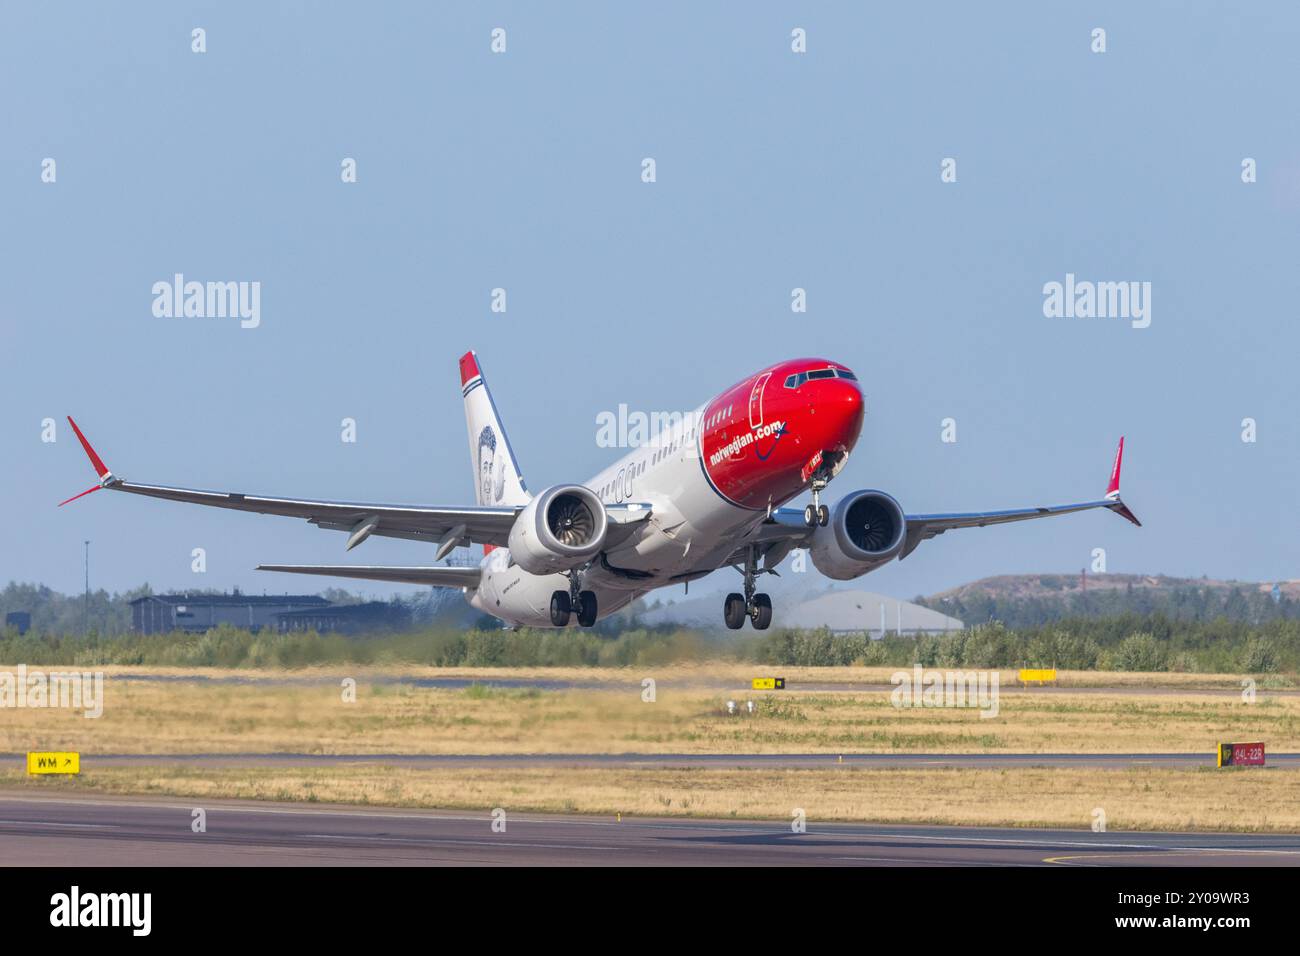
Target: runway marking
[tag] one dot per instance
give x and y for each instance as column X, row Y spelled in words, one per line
column 1067, row 860
column 1153, row 848
column 447, row 842
column 922, row 861
column 78, row 826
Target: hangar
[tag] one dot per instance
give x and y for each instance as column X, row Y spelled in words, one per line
column 163, row 613
column 841, row 610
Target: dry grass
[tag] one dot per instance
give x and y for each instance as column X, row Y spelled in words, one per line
column 1133, row 799
column 158, row 717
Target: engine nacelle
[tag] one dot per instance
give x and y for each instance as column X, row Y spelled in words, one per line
column 866, row 530
column 561, row 529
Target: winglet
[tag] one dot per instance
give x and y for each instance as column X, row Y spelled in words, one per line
column 100, row 468
column 105, row 476
column 1112, row 489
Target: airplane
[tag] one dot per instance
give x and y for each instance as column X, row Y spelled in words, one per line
column 708, row 491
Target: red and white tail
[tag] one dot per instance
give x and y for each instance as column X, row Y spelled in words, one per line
column 496, row 472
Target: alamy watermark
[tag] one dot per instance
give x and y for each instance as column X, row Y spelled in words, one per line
column 933, row 688
column 72, row 690
column 1084, row 299
column 635, row 429
column 208, row 300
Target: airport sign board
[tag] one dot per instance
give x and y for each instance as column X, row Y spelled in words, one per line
column 1241, row 755
column 53, row 762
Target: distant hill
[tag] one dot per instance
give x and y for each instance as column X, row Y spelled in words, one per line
column 1029, row 600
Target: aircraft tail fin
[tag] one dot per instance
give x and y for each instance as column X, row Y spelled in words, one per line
column 497, row 480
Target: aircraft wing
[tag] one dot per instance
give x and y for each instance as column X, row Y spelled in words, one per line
column 475, row 524
column 786, row 530
column 923, row 527
column 438, row 577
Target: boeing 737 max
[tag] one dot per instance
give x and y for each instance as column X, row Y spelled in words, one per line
column 706, row 492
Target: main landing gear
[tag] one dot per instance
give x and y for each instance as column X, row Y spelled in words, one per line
column 564, row 603
column 756, row 607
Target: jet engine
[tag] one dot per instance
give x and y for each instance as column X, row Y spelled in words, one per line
column 561, row 529
column 866, row 529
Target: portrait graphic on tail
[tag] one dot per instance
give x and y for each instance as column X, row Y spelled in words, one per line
column 491, row 472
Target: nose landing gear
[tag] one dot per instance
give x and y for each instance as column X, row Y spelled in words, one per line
column 564, row 603
column 756, row 607
column 818, row 473
column 817, row 513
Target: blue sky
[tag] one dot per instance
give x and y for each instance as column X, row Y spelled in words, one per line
column 774, row 171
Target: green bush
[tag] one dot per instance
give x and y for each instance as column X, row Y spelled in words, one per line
column 1126, row 642
column 1259, row 656
column 1140, row 652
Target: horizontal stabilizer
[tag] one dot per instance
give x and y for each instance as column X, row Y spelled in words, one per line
column 438, row 577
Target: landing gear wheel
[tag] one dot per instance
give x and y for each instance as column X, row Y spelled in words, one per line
column 560, row 608
column 587, row 608
column 817, row 513
column 760, row 612
column 733, row 611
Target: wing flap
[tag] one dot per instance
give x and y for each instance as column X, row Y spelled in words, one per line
column 483, row 525
column 438, row 577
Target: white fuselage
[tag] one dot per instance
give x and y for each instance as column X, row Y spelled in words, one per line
column 691, row 532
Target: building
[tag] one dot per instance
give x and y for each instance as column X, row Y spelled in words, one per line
column 163, row 613
column 21, row 621
column 374, row 617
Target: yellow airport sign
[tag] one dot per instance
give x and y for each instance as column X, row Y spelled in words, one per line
column 53, row 762
column 1041, row 675
column 769, row 683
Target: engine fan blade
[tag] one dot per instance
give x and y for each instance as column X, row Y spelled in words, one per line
column 572, row 522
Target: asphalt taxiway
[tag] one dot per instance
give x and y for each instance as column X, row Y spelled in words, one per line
column 48, row 830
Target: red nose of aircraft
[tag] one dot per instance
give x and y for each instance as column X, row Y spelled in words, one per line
column 765, row 437
column 834, row 414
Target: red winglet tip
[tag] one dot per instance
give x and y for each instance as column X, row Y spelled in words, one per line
column 1113, row 487
column 100, row 468
column 468, row 367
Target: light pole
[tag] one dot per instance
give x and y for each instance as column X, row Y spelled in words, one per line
column 85, row 626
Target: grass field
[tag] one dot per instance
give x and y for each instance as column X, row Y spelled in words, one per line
column 305, row 713
column 1134, row 799
column 179, row 717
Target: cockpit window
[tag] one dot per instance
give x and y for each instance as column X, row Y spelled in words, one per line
column 794, row 381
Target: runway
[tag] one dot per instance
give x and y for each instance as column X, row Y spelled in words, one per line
column 698, row 683
column 100, row 831
column 805, row 761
